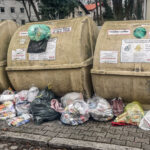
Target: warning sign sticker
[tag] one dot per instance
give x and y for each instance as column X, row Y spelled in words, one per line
column 61, row 30
column 23, row 33
column 108, row 57
column 19, row 54
column 135, row 51
column 119, row 32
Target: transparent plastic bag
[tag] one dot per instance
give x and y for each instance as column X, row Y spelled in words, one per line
column 20, row 120
column 75, row 113
column 7, row 110
column 21, row 103
column 132, row 115
column 32, row 93
column 70, row 98
column 7, row 95
column 117, row 106
column 100, row 109
column 145, row 122
column 21, row 96
column 22, row 107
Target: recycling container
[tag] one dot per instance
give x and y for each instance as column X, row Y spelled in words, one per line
column 66, row 63
column 7, row 29
column 121, row 66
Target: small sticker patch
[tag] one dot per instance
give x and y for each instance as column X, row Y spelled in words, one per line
column 22, row 41
column 24, row 33
column 19, row 54
column 119, row 32
column 61, row 30
column 109, row 57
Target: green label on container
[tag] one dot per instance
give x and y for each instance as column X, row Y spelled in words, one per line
column 139, row 32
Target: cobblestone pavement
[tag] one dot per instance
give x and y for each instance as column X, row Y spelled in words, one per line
column 91, row 131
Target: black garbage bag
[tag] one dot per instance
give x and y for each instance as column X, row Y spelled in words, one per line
column 37, row 47
column 41, row 109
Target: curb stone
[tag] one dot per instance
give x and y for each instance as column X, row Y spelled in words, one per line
column 60, row 142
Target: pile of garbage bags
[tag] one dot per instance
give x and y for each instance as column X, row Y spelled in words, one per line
column 19, row 108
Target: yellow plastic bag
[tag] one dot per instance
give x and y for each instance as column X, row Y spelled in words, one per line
column 132, row 115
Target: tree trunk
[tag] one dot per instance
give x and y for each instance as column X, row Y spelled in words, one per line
column 35, row 10
column 97, row 15
column 29, row 16
column 101, row 13
column 118, row 9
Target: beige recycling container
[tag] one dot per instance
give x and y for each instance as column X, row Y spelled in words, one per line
column 7, row 29
column 121, row 64
column 66, row 63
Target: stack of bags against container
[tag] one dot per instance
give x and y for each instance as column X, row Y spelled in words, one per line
column 22, row 105
column 14, row 106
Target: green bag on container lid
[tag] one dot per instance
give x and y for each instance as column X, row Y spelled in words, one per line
column 38, row 32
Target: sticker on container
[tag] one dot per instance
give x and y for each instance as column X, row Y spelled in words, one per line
column 119, row 32
column 61, row 30
column 49, row 54
column 19, row 54
column 22, row 41
column 108, row 57
column 139, row 32
column 135, row 51
column 25, row 33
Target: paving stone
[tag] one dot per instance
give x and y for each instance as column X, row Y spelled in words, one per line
column 82, row 127
column 51, row 134
column 14, row 147
column 76, row 136
column 114, row 136
column 95, row 129
column 130, row 128
column 142, row 140
column 145, row 135
column 118, row 142
column 47, row 128
column 116, row 128
column 63, row 135
column 104, row 129
column 127, row 138
column 118, row 131
column 89, row 138
column 40, row 132
column 86, row 132
column 133, row 144
column 104, row 140
column 104, row 125
column 103, row 134
column 136, row 134
column 75, row 131
column 112, row 130
column 145, row 146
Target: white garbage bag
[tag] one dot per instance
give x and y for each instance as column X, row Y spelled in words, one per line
column 75, row 113
column 100, row 109
column 145, row 122
column 32, row 93
column 70, row 98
